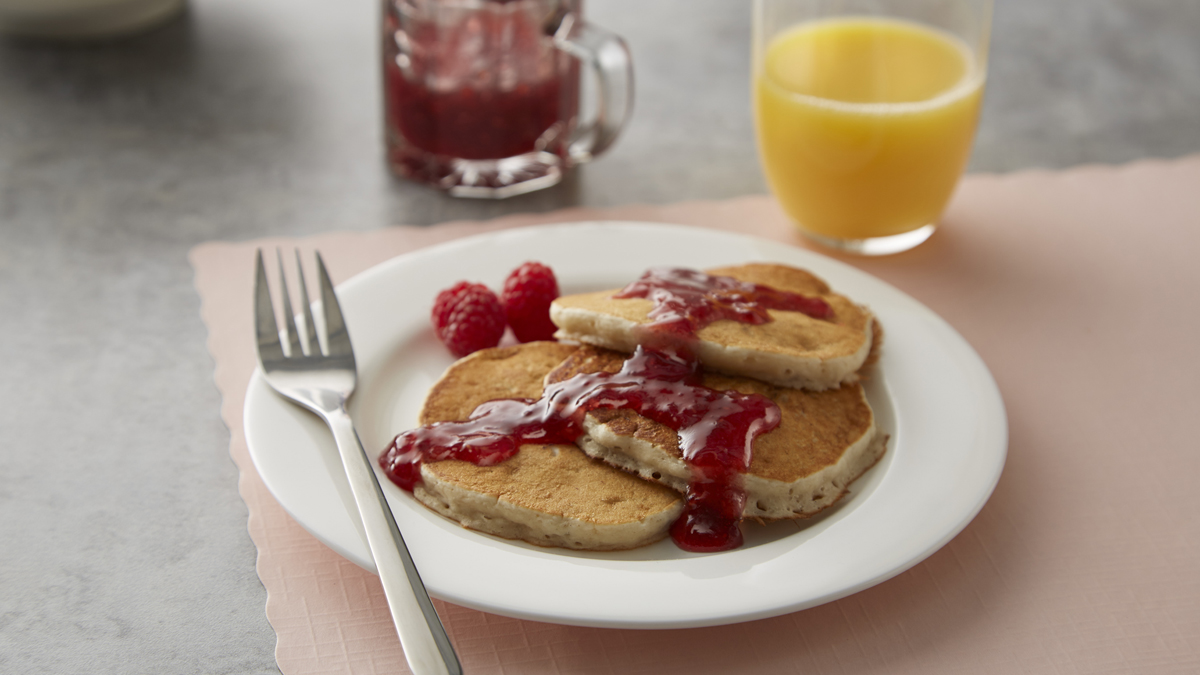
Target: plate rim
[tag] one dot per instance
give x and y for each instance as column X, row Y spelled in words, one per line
column 996, row 421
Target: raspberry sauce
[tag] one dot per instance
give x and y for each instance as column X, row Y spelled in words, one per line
column 716, row 431
column 473, row 123
column 687, row 300
column 662, row 382
column 476, row 80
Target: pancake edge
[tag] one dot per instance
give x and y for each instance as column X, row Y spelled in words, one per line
column 788, row 370
column 766, row 499
column 492, row 514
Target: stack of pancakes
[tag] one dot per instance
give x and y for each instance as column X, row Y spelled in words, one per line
column 560, row 495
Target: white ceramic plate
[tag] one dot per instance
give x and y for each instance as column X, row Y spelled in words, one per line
column 930, row 391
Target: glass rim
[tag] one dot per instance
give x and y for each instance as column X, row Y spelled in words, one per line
column 976, row 69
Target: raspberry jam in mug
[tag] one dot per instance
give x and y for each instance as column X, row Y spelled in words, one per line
column 481, row 97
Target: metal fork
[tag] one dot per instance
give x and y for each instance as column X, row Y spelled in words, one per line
column 318, row 372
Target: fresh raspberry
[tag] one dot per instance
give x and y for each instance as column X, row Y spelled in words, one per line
column 468, row 317
column 527, row 295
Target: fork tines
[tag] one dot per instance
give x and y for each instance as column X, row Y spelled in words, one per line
column 300, row 334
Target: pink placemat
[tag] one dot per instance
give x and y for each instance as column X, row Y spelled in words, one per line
column 1079, row 290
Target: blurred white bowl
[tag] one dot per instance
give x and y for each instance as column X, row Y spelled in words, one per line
column 83, row 19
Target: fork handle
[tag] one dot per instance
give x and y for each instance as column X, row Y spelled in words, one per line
column 426, row 646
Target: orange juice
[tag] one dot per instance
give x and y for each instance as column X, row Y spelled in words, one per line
column 864, row 125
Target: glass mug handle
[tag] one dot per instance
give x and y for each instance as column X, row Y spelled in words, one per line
column 608, row 57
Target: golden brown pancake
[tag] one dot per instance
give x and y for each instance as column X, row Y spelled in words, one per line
column 792, row 350
column 825, row 440
column 549, row 495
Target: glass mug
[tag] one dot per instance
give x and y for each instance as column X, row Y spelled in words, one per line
column 865, row 111
column 482, row 97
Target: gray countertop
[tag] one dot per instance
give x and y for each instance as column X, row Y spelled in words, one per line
column 124, row 538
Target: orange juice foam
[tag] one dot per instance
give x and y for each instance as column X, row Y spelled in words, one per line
column 864, row 125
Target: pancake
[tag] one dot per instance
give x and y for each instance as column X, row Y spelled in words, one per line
column 549, row 495
column 825, row 440
column 791, row 350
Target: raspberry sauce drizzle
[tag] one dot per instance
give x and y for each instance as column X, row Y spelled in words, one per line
column 687, row 300
column 716, row 430
column 661, row 381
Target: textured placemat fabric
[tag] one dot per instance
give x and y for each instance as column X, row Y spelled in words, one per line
column 1078, row 289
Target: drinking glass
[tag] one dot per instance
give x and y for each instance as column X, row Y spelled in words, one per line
column 865, row 111
column 482, row 97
